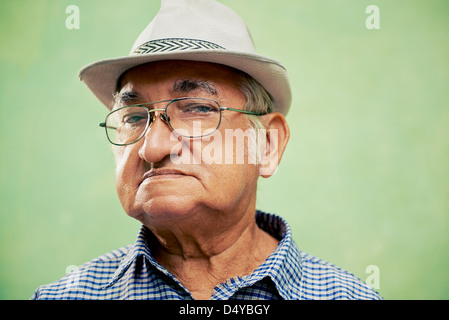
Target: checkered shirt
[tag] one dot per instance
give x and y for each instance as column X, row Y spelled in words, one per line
column 132, row 273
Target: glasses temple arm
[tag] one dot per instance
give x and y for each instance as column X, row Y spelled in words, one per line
column 103, row 125
column 242, row 111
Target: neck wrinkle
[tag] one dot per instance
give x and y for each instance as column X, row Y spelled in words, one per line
column 236, row 252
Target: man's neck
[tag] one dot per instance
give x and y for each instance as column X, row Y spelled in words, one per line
column 200, row 263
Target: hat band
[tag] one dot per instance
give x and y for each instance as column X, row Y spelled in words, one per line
column 175, row 44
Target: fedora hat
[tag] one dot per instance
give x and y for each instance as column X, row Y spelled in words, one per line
column 196, row 30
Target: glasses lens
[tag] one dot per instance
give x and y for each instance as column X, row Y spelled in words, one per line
column 194, row 117
column 126, row 125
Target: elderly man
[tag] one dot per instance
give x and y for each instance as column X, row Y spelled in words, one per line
column 196, row 118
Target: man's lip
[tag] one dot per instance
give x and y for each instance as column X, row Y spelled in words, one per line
column 162, row 172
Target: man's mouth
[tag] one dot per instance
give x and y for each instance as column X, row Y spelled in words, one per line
column 163, row 174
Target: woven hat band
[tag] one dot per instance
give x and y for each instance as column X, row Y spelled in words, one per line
column 175, row 44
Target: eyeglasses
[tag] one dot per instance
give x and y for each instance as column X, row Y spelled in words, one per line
column 188, row 117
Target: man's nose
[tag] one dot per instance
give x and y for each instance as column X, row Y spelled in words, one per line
column 156, row 142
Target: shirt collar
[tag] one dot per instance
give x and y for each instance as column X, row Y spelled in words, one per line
column 283, row 266
column 140, row 248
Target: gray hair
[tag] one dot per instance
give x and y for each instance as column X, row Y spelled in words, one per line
column 257, row 100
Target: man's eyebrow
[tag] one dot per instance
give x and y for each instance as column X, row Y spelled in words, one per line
column 180, row 86
column 127, row 97
column 188, row 85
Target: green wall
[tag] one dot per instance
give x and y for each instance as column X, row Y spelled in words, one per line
column 365, row 178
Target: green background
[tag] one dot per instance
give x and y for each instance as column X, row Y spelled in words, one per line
column 365, row 178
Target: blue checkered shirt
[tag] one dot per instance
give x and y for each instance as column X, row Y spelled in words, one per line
column 132, row 273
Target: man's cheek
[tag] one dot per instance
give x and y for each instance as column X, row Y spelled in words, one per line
column 118, row 152
column 127, row 194
column 122, row 190
column 125, row 176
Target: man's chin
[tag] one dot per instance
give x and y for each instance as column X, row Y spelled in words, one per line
column 169, row 209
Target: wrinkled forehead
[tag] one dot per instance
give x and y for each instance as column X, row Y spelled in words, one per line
column 162, row 70
column 177, row 77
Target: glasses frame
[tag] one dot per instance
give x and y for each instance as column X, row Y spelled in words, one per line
column 166, row 120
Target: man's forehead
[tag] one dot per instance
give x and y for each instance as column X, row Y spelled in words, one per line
column 178, row 69
column 177, row 77
column 131, row 93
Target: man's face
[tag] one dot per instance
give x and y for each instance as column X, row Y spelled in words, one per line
column 154, row 188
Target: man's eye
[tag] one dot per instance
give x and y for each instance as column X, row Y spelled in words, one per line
column 134, row 118
column 199, row 108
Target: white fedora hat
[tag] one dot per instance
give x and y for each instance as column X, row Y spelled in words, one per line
column 197, row 30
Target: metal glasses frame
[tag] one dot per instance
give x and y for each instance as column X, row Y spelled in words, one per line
column 167, row 120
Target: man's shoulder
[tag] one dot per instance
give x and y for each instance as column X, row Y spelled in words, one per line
column 310, row 277
column 87, row 279
column 324, row 280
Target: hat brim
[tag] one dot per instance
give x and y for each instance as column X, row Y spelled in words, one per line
column 101, row 77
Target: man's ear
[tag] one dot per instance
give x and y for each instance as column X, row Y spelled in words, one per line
column 277, row 135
